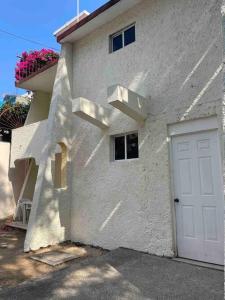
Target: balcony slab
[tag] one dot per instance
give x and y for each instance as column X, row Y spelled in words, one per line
column 91, row 112
column 42, row 80
column 128, row 102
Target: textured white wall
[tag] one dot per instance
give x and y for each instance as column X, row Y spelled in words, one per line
column 50, row 215
column 39, row 107
column 28, row 142
column 7, row 203
column 176, row 61
column 176, row 64
column 30, row 187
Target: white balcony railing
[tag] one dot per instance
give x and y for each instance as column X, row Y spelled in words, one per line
column 33, row 69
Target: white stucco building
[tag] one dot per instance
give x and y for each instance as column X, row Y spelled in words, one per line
column 127, row 131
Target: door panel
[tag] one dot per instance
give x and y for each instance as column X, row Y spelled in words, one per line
column 188, row 221
column 185, row 176
column 206, row 178
column 210, row 228
column 198, row 184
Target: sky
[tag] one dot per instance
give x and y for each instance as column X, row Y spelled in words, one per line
column 34, row 20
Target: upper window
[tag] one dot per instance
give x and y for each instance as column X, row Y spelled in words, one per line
column 126, row 146
column 122, row 38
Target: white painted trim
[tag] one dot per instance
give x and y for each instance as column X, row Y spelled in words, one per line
column 71, row 21
column 193, row 126
column 172, row 197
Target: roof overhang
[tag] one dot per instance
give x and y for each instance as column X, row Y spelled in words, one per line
column 42, row 80
column 71, row 23
column 98, row 18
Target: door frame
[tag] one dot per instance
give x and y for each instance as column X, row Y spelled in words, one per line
column 183, row 128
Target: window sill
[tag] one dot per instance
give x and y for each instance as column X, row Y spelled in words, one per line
column 125, row 160
column 123, row 48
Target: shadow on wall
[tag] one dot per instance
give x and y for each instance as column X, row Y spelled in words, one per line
column 184, row 74
column 50, row 215
column 17, row 177
column 185, row 82
column 23, row 179
column 53, row 214
column 192, row 77
column 7, row 202
column 181, row 85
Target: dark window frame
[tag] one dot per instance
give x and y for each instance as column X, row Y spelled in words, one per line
column 125, row 135
column 121, row 32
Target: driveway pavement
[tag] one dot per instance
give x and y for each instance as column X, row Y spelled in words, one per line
column 124, row 274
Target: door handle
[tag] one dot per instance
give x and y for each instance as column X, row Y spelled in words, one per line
column 176, row 200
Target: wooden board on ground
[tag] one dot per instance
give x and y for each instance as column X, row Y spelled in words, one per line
column 55, row 258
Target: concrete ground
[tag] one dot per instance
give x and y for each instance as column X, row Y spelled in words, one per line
column 17, row 266
column 124, row 274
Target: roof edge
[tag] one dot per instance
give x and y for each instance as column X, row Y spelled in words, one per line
column 71, row 22
column 87, row 19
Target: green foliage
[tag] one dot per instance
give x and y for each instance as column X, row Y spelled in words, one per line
column 13, row 115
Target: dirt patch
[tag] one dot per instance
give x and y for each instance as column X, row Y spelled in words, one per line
column 16, row 266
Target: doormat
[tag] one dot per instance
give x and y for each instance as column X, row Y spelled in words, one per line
column 54, row 258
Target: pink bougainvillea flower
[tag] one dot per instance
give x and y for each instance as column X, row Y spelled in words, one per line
column 33, row 61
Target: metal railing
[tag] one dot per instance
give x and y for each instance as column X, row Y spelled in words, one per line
column 31, row 68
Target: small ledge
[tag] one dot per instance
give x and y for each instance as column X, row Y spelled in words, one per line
column 91, row 112
column 128, row 102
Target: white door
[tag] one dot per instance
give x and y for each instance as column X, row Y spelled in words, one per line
column 199, row 196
